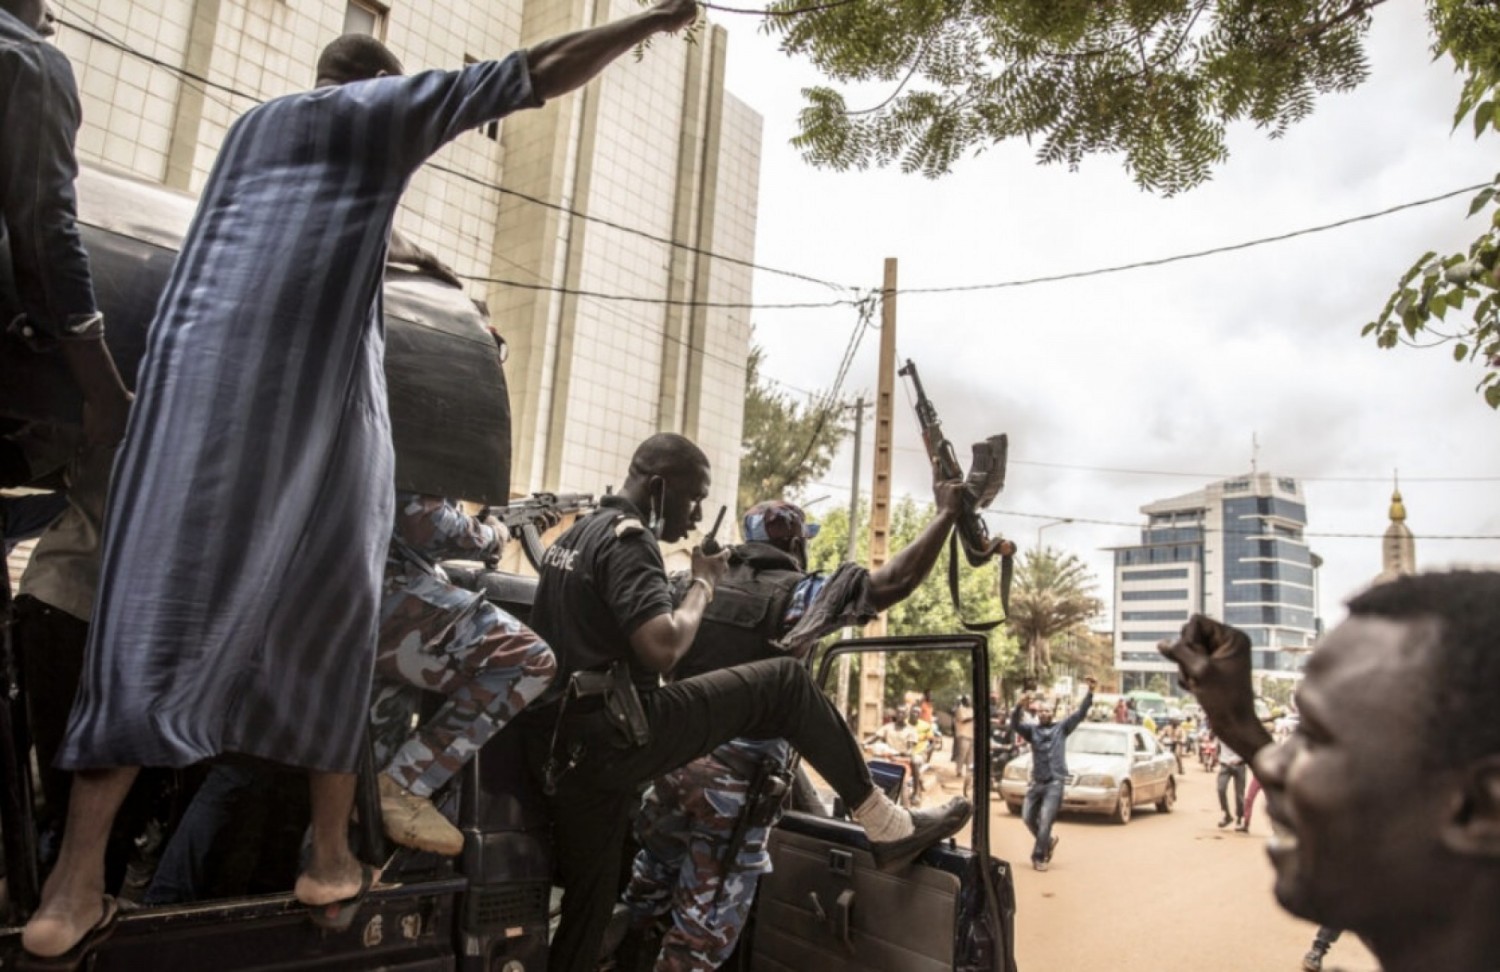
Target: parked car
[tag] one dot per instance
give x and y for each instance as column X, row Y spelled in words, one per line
column 1112, row 770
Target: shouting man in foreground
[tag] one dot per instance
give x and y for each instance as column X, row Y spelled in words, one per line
column 1386, row 800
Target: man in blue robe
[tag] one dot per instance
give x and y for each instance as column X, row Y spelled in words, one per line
column 247, row 524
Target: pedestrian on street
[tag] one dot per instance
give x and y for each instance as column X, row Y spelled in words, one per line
column 963, row 736
column 1322, row 942
column 1231, row 769
column 1049, row 769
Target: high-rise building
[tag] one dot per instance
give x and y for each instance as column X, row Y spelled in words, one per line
column 1234, row 551
column 542, row 213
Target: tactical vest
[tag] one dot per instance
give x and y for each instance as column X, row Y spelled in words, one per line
column 746, row 613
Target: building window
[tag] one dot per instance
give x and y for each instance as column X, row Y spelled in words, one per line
column 1269, row 614
column 1176, row 595
column 1153, row 615
column 1152, row 636
column 364, row 17
column 1170, row 573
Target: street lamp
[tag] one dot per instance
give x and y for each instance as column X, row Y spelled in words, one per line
column 1047, row 526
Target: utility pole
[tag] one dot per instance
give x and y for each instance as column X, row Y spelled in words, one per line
column 852, row 554
column 859, row 428
column 872, row 667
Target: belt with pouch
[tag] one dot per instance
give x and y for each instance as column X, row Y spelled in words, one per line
column 614, row 692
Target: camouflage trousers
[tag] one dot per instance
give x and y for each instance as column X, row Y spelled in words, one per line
column 440, row 638
column 684, row 826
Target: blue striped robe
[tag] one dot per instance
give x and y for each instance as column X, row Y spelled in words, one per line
column 252, row 499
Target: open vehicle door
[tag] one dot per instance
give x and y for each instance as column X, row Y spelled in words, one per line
column 825, row 906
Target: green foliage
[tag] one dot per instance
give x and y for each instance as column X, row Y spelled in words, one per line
column 1052, row 596
column 1081, row 653
column 1417, row 314
column 929, row 610
column 1278, row 690
column 1157, row 81
column 786, row 445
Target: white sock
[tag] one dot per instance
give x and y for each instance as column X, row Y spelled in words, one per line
column 883, row 820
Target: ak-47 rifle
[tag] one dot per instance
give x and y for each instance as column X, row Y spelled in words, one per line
column 524, row 517
column 985, row 480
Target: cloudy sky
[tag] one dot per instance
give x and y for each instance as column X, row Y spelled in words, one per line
column 1121, row 389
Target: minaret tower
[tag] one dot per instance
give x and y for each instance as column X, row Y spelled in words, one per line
column 1398, row 550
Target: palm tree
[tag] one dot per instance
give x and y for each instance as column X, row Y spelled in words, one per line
column 1052, row 594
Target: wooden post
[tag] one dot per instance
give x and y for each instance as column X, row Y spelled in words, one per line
column 852, row 554
column 872, row 667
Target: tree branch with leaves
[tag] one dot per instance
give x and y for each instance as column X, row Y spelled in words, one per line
column 1465, row 285
column 1052, row 595
column 1157, row 82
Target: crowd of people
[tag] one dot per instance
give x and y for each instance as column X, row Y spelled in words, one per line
column 227, row 570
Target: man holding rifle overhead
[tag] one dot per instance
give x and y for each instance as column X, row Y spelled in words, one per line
column 605, row 605
column 703, row 827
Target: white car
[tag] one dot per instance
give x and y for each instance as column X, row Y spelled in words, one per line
column 1111, row 769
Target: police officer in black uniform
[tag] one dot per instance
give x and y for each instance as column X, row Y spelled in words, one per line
column 608, row 723
column 767, row 605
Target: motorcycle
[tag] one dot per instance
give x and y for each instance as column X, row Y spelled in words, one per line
column 1208, row 753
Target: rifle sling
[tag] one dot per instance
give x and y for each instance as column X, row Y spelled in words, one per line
column 1005, row 574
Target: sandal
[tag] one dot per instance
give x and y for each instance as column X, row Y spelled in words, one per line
column 339, row 915
column 75, row 957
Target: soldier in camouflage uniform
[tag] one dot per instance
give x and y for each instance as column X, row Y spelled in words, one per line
column 690, row 817
column 441, row 638
column 433, row 636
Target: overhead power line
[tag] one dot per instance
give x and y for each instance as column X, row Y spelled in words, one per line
column 770, row 12
column 660, row 301
column 1196, row 254
column 1123, row 524
column 1219, row 475
column 1240, row 533
column 956, row 288
column 1214, row 476
column 204, row 84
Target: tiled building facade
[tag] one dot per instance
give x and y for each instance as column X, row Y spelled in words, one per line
column 655, row 146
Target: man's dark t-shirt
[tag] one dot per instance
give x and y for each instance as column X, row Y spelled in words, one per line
column 599, row 582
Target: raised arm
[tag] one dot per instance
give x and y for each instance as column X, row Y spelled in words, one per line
column 560, row 64
column 1213, row 661
column 1073, row 721
column 1016, row 725
column 904, row 572
column 440, row 530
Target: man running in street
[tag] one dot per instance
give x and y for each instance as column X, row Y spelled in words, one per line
column 1049, row 769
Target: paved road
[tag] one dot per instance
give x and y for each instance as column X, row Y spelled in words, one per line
column 1165, row 893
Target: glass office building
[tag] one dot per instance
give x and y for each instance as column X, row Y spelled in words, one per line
column 1234, row 551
